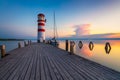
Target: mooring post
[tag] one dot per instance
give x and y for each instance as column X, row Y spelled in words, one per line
column 3, row 52
column 43, row 41
column 28, row 42
column 67, row 45
column 25, row 43
column 72, row 43
column 19, row 45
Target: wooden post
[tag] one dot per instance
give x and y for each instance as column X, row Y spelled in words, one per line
column 43, row 41
column 71, row 48
column 3, row 52
column 72, row 43
column 25, row 43
column 67, row 45
column 19, row 45
column 28, row 42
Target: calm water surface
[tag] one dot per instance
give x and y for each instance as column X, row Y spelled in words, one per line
column 98, row 54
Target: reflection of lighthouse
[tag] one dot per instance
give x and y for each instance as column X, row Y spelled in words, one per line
column 41, row 27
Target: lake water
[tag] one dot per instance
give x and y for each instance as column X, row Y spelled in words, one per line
column 98, row 54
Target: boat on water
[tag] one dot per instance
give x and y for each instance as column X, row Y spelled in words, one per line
column 54, row 40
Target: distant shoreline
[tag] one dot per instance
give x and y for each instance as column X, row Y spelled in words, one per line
column 64, row 39
column 12, row 39
column 88, row 38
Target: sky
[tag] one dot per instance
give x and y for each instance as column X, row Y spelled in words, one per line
column 18, row 18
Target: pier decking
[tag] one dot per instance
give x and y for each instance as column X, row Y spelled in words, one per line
column 45, row 62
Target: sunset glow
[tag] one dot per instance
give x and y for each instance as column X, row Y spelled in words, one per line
column 102, row 15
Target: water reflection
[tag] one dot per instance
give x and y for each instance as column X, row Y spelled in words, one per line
column 91, row 45
column 98, row 54
column 84, row 51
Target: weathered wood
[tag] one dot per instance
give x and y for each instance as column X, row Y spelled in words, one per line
column 67, row 44
column 19, row 45
column 45, row 62
column 28, row 42
column 25, row 44
column 3, row 52
column 44, row 41
column 72, row 44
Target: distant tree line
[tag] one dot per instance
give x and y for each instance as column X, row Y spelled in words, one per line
column 11, row 39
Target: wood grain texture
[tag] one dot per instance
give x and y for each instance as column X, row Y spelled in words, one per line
column 41, row 61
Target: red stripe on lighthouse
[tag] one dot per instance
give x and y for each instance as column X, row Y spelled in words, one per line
column 41, row 24
column 41, row 30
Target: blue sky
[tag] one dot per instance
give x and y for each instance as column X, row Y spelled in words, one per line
column 19, row 17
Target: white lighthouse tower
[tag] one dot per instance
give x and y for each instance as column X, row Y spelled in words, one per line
column 41, row 27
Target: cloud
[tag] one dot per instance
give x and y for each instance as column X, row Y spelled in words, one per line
column 105, row 35
column 82, row 29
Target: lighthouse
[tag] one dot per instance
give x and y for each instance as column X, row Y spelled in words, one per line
column 41, row 28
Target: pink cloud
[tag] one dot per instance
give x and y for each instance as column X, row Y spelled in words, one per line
column 82, row 29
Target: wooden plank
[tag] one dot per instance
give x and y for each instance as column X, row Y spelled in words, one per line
column 65, row 75
column 68, row 68
column 47, row 72
column 42, row 76
column 75, row 75
column 26, row 62
column 34, row 65
column 37, row 76
column 52, row 74
column 17, row 67
column 11, row 65
column 29, row 70
column 61, row 70
column 45, row 62
column 22, row 73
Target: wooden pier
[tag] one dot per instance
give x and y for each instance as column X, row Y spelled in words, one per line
column 45, row 62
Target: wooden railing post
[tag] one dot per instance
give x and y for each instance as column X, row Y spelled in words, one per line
column 72, row 43
column 25, row 43
column 19, row 45
column 3, row 52
column 67, row 45
column 43, row 41
column 28, row 42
